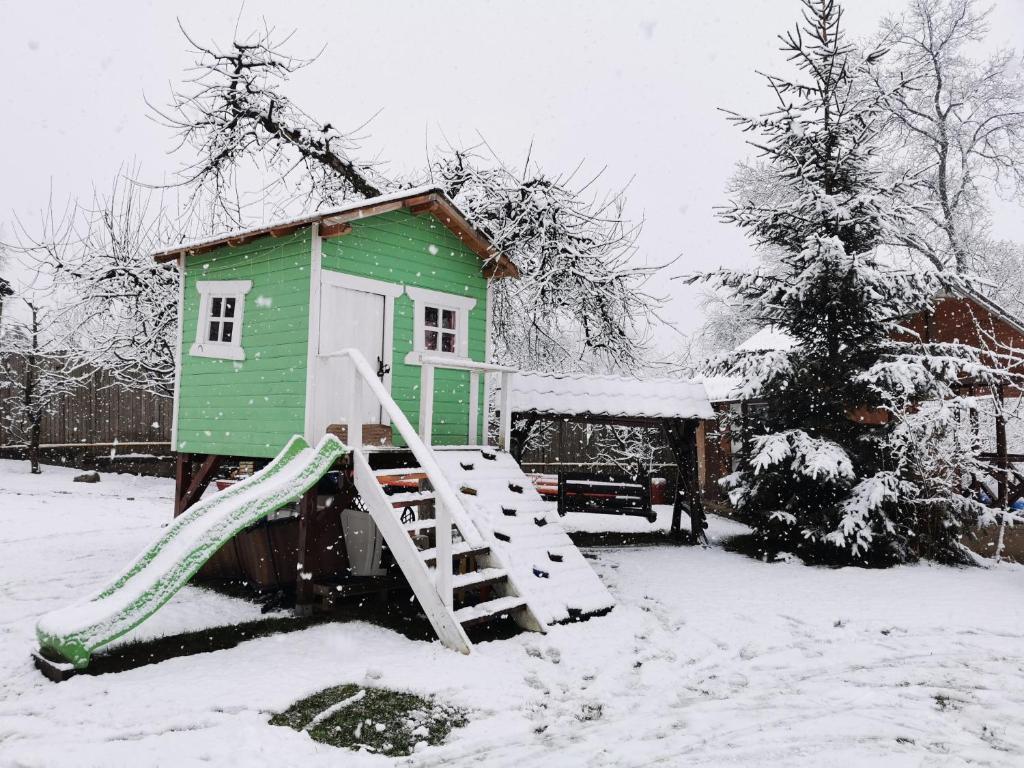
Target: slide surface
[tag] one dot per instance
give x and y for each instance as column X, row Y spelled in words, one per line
column 189, row 541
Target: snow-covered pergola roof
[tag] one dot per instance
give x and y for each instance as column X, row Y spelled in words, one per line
column 612, row 397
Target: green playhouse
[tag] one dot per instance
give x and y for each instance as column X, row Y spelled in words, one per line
column 350, row 345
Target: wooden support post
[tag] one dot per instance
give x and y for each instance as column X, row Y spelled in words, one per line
column 198, row 483
column 505, row 424
column 303, row 576
column 182, row 480
column 443, row 533
column 426, row 402
column 474, row 405
column 681, row 436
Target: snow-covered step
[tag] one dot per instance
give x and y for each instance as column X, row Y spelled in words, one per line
column 523, row 532
column 481, row 578
column 477, row 614
column 420, row 525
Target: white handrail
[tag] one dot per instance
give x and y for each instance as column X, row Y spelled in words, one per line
column 429, row 362
column 462, row 364
column 442, row 491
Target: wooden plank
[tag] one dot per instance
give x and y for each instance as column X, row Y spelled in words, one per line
column 303, row 580
column 182, row 480
column 335, row 229
column 200, row 481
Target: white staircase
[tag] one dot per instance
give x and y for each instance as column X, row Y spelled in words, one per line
column 486, row 552
column 438, row 538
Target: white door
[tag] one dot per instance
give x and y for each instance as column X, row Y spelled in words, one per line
column 348, row 318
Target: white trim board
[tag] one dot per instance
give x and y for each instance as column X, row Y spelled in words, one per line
column 449, row 300
column 390, row 291
column 220, row 350
column 461, row 305
column 313, row 342
column 179, row 343
column 364, row 284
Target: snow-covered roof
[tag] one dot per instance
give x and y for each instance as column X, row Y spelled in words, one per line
column 613, row 396
column 722, row 388
column 430, row 199
column 767, row 338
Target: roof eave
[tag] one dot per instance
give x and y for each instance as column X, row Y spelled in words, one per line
column 496, row 264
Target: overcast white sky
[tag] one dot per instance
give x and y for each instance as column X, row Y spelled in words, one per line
column 630, row 87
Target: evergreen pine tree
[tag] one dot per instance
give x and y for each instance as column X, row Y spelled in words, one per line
column 839, row 463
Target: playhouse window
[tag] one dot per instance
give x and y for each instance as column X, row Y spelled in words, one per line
column 440, row 329
column 221, row 304
column 441, row 323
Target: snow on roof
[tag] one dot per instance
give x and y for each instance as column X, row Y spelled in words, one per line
column 722, row 388
column 768, row 338
column 617, row 396
column 305, row 218
column 430, row 199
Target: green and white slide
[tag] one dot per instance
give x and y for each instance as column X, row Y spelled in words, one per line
column 73, row 633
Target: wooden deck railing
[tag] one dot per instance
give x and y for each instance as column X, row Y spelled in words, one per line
column 430, row 362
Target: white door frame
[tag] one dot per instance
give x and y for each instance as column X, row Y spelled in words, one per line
column 326, row 277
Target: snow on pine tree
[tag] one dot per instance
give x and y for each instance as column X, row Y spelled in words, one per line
column 837, row 466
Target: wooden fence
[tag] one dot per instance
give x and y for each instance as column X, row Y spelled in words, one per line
column 99, row 417
column 569, row 447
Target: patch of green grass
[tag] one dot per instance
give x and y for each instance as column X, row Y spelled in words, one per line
column 380, row 720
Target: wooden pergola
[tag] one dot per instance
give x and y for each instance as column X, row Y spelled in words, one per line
column 675, row 407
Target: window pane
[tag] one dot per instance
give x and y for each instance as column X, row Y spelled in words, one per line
column 215, row 306
column 430, row 316
column 214, row 334
column 447, row 342
column 448, row 318
column 226, row 332
column 430, row 340
column 229, row 307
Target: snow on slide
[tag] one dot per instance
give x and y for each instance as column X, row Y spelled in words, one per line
column 188, row 542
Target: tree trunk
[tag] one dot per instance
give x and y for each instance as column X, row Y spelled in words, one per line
column 33, row 446
column 32, row 407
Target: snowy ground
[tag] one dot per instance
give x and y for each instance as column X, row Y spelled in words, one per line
column 709, row 659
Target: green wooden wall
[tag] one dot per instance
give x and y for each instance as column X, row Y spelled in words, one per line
column 249, row 407
column 399, row 247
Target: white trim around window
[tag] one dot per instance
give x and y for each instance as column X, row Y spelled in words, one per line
column 440, row 324
column 221, row 314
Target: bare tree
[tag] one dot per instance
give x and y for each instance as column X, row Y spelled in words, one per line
column 959, row 127
column 634, row 451
column 96, row 261
column 38, row 369
column 5, row 292
column 581, row 302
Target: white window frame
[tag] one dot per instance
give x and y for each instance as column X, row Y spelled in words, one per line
column 222, row 289
column 460, row 305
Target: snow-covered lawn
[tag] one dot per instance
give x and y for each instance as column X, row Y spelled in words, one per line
column 709, row 659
